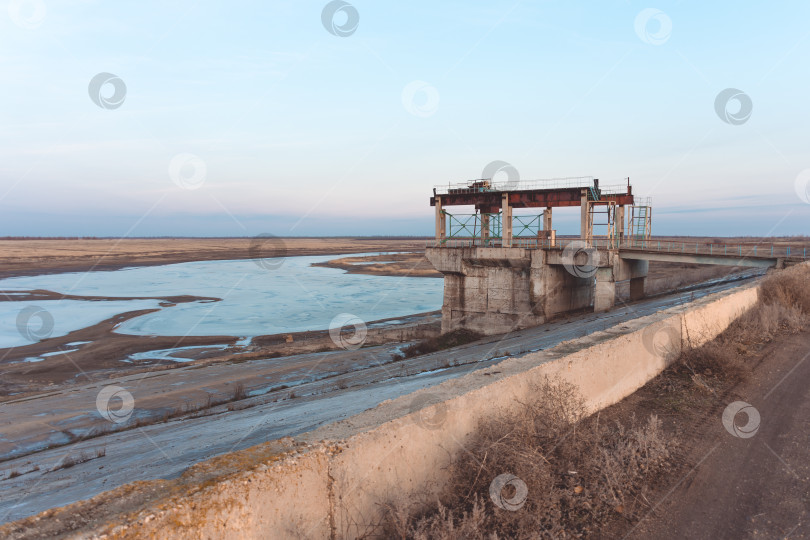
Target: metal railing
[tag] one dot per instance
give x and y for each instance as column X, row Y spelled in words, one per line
column 759, row 251
column 753, row 250
column 551, row 183
column 642, row 201
column 614, row 189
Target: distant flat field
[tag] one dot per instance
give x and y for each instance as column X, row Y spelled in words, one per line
column 39, row 256
column 44, row 256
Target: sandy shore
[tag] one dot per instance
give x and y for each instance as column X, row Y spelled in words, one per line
column 387, row 264
column 105, row 353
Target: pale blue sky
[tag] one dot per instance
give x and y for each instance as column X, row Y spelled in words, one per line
column 306, row 133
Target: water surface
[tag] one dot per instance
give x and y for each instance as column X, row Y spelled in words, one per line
column 256, row 300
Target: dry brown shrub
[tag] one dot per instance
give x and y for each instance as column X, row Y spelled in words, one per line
column 789, row 287
column 765, row 321
column 783, row 307
column 579, row 473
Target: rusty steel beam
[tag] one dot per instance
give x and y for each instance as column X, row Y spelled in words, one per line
column 535, row 198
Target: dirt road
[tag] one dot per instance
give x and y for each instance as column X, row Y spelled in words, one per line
column 747, row 487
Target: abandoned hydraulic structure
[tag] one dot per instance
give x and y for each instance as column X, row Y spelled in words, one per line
column 494, row 224
column 504, row 271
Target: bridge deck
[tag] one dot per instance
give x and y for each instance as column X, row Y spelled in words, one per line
column 748, row 255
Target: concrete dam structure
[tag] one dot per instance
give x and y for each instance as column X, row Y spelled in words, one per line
column 496, row 290
column 503, row 271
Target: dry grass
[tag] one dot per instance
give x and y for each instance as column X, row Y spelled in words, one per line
column 790, row 287
column 583, row 475
column 579, row 473
column 783, row 308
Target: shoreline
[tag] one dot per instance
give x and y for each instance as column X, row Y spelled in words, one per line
column 48, row 256
column 407, row 264
column 103, row 352
column 106, row 353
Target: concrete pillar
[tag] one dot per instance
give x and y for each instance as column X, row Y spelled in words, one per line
column 635, row 271
column 452, row 317
column 555, row 290
column 584, row 232
column 638, row 279
column 604, row 296
column 548, row 228
column 506, row 221
column 484, row 227
column 497, row 290
column 440, row 221
column 637, row 288
column 619, row 224
column 489, row 291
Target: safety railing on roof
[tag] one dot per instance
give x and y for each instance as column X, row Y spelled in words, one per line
column 487, row 185
column 613, row 189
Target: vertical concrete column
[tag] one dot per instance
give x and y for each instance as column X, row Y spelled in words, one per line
column 604, row 296
column 619, row 223
column 440, row 221
column 506, row 220
column 633, row 270
column 638, row 279
column 547, row 227
column 484, row 227
column 585, row 232
column 637, row 288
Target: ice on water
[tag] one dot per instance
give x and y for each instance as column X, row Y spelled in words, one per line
column 256, row 300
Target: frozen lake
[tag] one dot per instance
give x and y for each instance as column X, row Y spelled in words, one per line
column 61, row 317
column 256, row 300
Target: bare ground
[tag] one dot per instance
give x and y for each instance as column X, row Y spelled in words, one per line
column 731, row 487
column 389, row 264
column 106, row 353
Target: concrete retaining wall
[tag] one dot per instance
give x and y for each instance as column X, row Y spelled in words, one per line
column 398, row 451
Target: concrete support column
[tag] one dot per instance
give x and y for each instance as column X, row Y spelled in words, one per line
column 441, row 231
column 604, row 291
column 506, row 221
column 638, row 279
column 584, row 232
column 637, row 288
column 491, row 290
column 548, row 227
column 484, row 227
column 635, row 271
column 452, row 317
column 619, row 223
